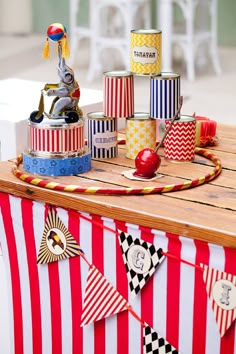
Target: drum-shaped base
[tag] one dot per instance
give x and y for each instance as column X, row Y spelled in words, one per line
column 57, row 166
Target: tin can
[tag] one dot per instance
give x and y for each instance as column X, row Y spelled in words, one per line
column 140, row 134
column 102, row 135
column 145, row 52
column 56, row 138
column 118, row 94
column 179, row 144
column 164, row 95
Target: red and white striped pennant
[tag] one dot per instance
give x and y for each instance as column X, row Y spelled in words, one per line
column 101, row 298
column 221, row 289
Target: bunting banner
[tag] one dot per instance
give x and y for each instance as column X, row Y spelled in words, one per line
column 57, row 242
column 154, row 344
column 101, row 298
column 141, row 259
column 43, row 304
column 221, row 289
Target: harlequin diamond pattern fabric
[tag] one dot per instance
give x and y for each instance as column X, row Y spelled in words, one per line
column 141, row 260
column 154, row 344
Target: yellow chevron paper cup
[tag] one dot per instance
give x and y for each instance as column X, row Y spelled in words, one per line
column 179, row 144
column 140, row 134
column 145, row 52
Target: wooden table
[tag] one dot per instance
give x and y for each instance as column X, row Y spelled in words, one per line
column 199, row 223
column 206, row 212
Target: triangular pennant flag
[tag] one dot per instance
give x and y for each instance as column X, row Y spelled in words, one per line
column 101, row 298
column 57, row 242
column 141, row 260
column 221, row 289
column 154, row 344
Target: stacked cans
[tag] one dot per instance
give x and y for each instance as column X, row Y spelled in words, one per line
column 142, row 129
column 164, row 95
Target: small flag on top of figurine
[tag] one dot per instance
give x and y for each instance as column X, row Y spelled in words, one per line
column 56, row 32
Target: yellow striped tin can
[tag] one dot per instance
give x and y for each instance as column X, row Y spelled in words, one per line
column 140, row 134
column 145, row 55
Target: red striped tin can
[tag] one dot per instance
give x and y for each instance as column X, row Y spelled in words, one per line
column 57, row 138
column 118, row 94
column 179, row 144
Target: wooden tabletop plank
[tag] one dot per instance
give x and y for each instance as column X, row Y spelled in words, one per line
column 163, row 212
column 227, row 145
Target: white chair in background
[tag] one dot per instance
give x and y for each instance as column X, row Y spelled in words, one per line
column 199, row 35
column 110, row 23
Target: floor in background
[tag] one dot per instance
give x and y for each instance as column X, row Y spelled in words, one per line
column 209, row 95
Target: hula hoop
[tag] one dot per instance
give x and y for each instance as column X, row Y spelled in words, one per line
column 43, row 183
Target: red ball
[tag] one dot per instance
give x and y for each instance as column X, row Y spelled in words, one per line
column 147, row 163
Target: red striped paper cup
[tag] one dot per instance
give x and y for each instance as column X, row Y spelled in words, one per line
column 57, row 138
column 179, row 144
column 118, row 94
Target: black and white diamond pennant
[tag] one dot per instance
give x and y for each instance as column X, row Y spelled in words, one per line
column 57, row 242
column 154, row 344
column 141, row 259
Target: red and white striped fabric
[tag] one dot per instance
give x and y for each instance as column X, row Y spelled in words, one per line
column 45, row 301
column 221, row 289
column 63, row 139
column 118, row 96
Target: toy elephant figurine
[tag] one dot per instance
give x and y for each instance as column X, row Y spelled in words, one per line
column 68, row 91
column 67, row 95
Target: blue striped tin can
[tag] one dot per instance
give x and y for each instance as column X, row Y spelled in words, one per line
column 164, row 95
column 102, row 135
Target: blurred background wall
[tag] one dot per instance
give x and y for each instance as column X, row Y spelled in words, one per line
column 36, row 15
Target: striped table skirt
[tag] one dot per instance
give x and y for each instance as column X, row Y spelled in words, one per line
column 40, row 311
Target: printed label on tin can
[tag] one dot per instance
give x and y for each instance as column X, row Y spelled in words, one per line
column 105, row 140
column 144, row 54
